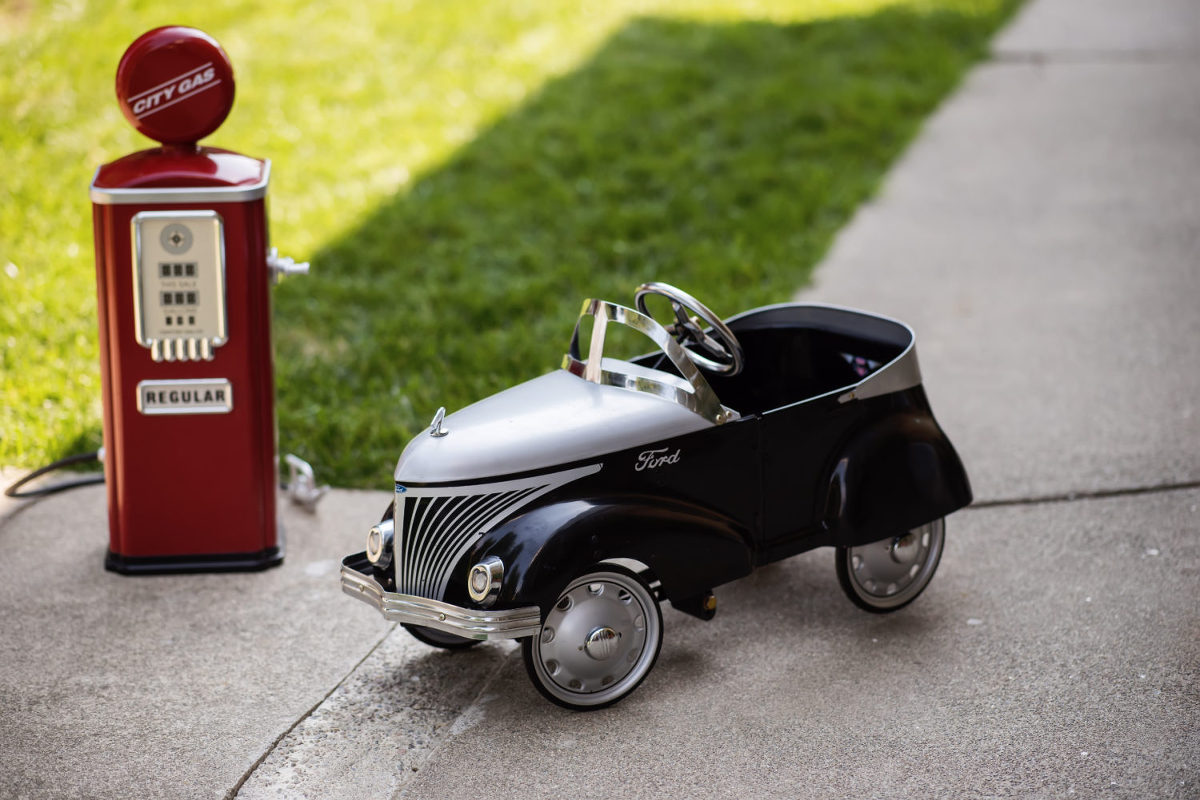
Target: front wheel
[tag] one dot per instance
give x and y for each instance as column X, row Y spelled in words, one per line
column 435, row 638
column 889, row 574
column 598, row 641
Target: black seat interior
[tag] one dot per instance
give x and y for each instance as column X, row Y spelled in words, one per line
column 794, row 353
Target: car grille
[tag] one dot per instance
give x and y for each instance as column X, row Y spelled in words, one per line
column 436, row 532
column 437, row 526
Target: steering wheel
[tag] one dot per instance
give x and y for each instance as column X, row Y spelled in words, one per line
column 722, row 354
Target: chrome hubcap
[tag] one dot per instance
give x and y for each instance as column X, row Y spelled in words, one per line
column 602, row 643
column 599, row 639
column 892, row 571
column 905, row 549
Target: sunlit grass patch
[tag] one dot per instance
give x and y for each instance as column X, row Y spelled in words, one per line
column 461, row 175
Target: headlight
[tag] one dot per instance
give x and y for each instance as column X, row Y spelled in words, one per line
column 379, row 543
column 484, row 579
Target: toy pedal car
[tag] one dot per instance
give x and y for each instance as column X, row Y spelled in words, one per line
column 563, row 510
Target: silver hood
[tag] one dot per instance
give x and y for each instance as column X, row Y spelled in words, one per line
column 542, row 423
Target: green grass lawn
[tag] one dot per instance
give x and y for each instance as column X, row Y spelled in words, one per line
column 461, row 175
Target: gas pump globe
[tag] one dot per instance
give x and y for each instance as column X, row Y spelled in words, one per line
column 183, row 274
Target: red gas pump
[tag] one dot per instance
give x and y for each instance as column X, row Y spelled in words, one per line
column 183, row 274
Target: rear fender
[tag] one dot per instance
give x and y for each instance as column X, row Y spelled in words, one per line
column 687, row 549
column 899, row 473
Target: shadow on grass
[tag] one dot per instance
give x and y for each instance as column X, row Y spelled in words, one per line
column 718, row 157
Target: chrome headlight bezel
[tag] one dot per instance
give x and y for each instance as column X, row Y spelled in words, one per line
column 380, row 541
column 484, row 580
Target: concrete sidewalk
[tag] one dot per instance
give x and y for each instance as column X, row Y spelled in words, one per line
column 1042, row 237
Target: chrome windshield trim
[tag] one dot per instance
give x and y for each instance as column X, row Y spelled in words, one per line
column 699, row 398
column 480, row 624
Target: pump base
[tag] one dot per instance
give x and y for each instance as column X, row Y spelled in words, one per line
column 209, row 562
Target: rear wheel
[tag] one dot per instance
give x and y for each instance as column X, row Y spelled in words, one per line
column 889, row 574
column 598, row 641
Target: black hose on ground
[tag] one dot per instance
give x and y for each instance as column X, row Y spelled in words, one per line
column 82, row 458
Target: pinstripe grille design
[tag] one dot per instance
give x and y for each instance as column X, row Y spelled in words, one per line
column 437, row 529
column 437, row 526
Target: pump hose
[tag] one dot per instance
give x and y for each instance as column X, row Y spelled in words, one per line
column 81, row 458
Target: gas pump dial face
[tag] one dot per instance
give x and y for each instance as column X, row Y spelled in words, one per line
column 179, row 284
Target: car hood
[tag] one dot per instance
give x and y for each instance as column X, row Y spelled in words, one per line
column 546, row 422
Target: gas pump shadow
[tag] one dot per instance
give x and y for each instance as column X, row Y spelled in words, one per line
column 719, row 157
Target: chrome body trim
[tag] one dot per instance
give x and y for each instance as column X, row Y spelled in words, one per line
column 469, row 623
column 897, row 375
column 102, row 196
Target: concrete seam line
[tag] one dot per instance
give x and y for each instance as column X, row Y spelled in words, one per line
column 1069, row 497
column 1096, row 57
column 402, row 790
column 232, row 793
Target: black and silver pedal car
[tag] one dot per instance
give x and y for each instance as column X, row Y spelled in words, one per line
column 563, row 510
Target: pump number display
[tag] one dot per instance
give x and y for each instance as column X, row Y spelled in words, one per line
column 179, row 284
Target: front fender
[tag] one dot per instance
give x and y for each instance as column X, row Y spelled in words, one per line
column 688, row 549
column 897, row 474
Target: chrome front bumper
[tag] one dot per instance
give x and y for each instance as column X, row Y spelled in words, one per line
column 513, row 623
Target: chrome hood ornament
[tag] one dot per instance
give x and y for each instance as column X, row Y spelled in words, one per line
column 435, row 428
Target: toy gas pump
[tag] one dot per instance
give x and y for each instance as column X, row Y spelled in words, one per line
column 183, row 274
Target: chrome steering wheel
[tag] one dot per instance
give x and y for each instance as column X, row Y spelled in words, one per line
column 722, row 354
